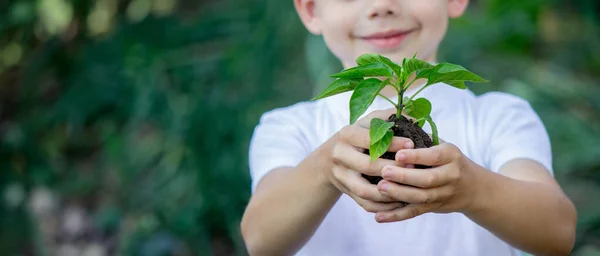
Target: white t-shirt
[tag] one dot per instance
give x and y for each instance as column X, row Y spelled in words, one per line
column 490, row 129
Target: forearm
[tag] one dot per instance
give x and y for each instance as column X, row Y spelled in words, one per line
column 531, row 216
column 291, row 204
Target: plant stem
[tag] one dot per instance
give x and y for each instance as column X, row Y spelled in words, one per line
column 394, row 81
column 434, row 131
column 420, row 119
column 422, row 88
column 400, row 105
column 390, row 101
column 396, row 87
column 399, row 88
column 410, row 84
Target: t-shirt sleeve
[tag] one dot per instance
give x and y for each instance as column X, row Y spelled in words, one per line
column 278, row 141
column 513, row 131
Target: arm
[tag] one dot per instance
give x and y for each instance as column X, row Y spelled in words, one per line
column 275, row 225
column 290, row 203
column 525, row 207
column 521, row 203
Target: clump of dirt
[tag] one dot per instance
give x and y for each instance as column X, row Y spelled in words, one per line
column 407, row 129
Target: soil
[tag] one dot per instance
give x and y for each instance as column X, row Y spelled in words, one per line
column 404, row 128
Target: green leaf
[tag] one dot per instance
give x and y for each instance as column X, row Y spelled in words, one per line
column 363, row 97
column 425, row 73
column 457, row 84
column 379, row 148
column 368, row 58
column 419, row 108
column 378, row 129
column 453, row 74
column 371, row 58
column 405, row 101
column 434, row 131
column 369, row 70
column 415, row 65
column 338, row 86
column 421, row 123
column 393, row 66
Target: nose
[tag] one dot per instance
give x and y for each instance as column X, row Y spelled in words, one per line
column 382, row 8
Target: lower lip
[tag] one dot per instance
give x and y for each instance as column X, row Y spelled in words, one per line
column 388, row 42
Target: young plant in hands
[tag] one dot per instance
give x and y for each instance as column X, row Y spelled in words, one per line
column 373, row 73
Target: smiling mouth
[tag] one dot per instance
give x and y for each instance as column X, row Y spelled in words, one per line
column 387, row 40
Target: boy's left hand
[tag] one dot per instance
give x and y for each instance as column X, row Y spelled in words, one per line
column 449, row 186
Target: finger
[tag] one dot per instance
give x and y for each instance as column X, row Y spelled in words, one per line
column 360, row 187
column 339, row 185
column 407, row 212
column 355, row 135
column 399, row 143
column 368, row 205
column 413, row 195
column 359, row 137
column 430, row 178
column 371, row 206
column 353, row 159
column 433, row 156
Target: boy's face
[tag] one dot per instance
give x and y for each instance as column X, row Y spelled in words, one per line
column 393, row 28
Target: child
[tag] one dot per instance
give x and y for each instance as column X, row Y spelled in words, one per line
column 490, row 191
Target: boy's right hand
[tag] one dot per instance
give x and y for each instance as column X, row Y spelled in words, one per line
column 348, row 161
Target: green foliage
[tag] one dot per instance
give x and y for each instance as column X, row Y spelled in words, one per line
column 366, row 59
column 339, row 86
column 363, row 96
column 120, row 111
column 367, row 70
column 124, row 123
column 549, row 50
column 413, row 65
column 452, row 74
column 379, row 147
column 434, row 131
column 378, row 128
column 381, row 137
column 375, row 65
column 419, row 108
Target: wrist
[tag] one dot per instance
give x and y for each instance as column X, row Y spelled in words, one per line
column 322, row 166
column 479, row 196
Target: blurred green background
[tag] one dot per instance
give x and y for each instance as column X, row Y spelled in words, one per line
column 124, row 125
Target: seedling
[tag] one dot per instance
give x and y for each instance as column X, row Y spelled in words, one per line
column 373, row 73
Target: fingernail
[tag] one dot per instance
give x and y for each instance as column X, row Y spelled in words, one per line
column 410, row 166
column 400, row 156
column 384, row 186
column 409, row 145
column 386, row 172
column 380, row 217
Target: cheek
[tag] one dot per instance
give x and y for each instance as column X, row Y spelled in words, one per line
column 337, row 34
column 433, row 17
column 436, row 26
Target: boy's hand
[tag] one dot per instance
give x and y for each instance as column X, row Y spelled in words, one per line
column 448, row 186
column 348, row 161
